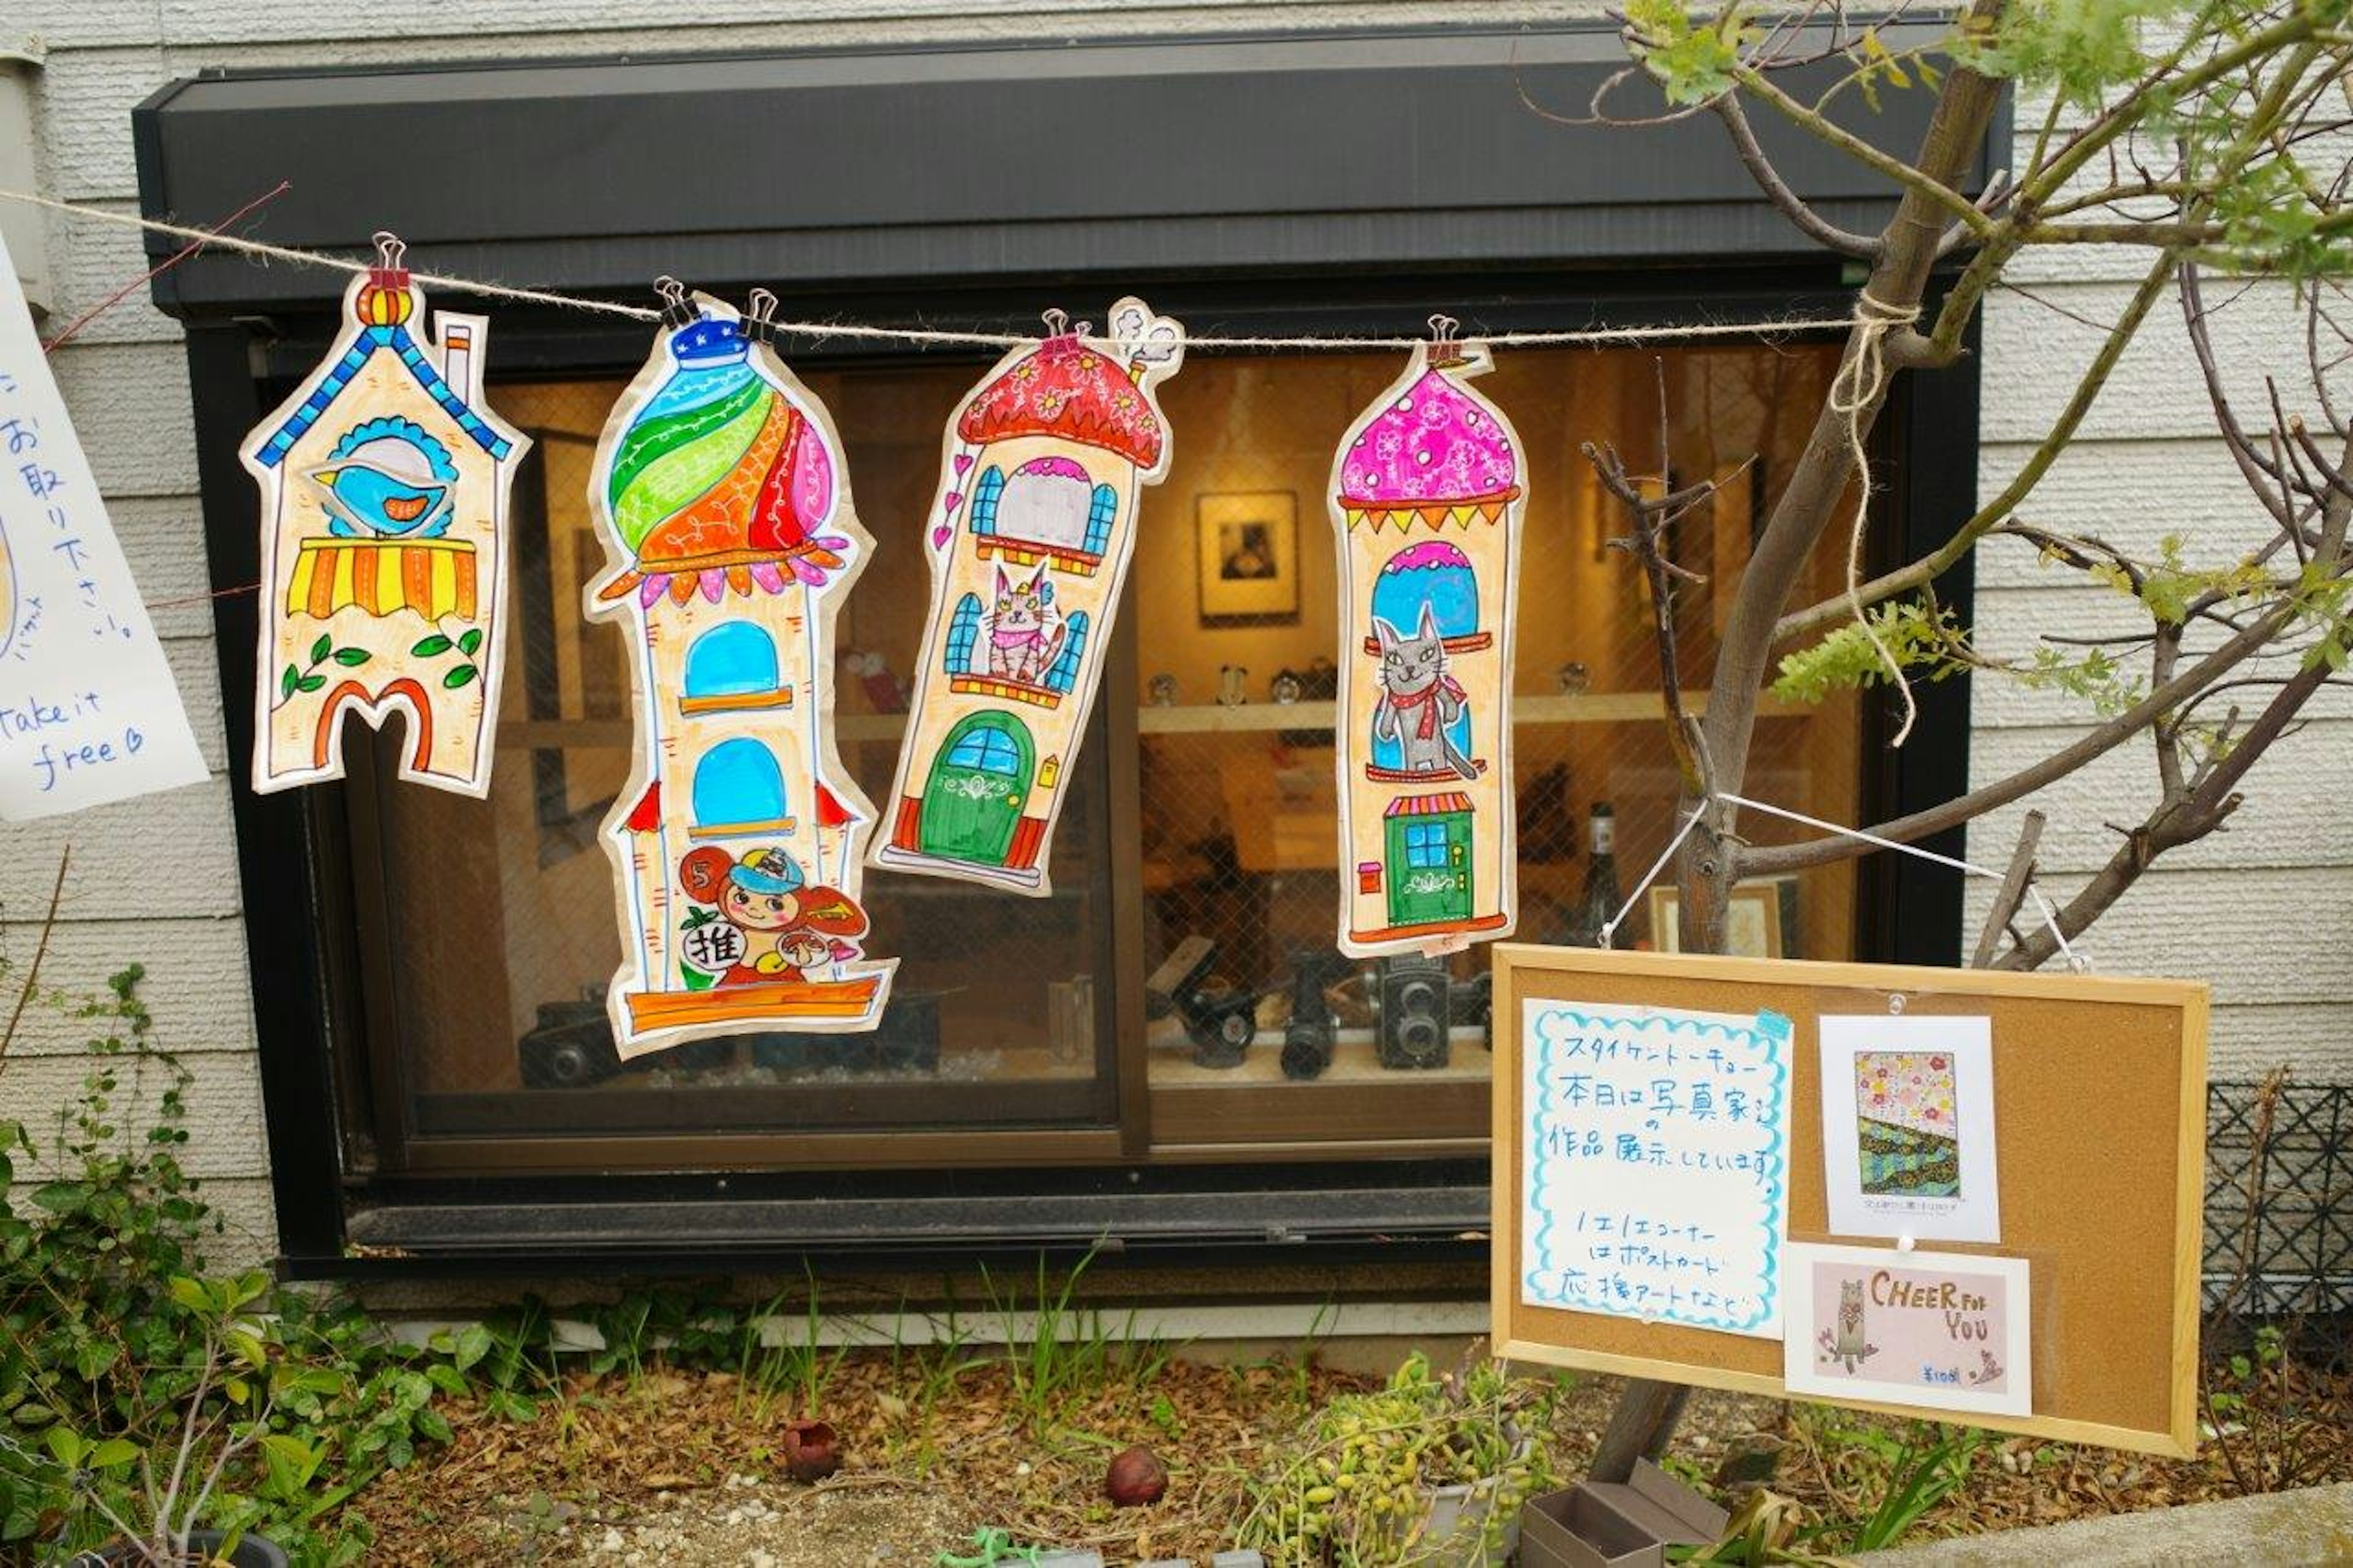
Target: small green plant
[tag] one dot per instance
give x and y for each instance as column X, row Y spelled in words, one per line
column 2256, row 1418
column 1355, row 1489
column 1070, row 1352
column 140, row 1397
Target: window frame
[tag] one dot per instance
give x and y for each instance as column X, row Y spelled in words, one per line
column 346, row 1182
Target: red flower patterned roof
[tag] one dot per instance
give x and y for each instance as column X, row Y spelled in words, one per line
column 1064, row 388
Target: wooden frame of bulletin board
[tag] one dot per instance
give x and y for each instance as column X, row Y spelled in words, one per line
column 2100, row 1094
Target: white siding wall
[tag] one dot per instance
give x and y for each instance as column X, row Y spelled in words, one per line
column 2263, row 910
column 156, row 881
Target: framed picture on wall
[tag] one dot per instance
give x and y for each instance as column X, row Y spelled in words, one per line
column 1754, row 926
column 1246, row 549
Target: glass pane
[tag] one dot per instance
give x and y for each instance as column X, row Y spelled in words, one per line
column 1236, row 569
column 499, row 931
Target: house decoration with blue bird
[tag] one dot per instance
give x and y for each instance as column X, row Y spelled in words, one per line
column 385, row 484
column 388, row 478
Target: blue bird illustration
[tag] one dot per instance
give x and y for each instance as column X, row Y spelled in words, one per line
column 387, row 478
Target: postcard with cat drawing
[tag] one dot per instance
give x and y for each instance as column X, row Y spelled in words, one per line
column 1943, row 1331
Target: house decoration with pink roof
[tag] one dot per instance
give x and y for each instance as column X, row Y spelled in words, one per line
column 1426, row 504
column 1030, row 534
column 737, row 845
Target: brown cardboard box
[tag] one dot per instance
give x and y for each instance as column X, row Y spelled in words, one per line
column 1612, row 1525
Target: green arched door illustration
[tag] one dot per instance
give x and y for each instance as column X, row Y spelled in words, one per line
column 979, row 781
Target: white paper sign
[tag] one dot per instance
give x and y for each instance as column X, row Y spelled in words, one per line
column 1657, row 1163
column 1908, row 1127
column 87, row 710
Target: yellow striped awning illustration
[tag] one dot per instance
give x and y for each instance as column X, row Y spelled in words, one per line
column 435, row 577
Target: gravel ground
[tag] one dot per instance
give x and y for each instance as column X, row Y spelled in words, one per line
column 856, row 1522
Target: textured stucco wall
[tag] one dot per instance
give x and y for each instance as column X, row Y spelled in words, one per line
column 156, row 881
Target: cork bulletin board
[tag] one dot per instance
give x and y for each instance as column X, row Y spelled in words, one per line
column 2100, row 1088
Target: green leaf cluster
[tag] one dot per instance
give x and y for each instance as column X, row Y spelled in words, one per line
column 1923, row 639
column 2078, row 50
column 1691, row 60
column 116, row 1342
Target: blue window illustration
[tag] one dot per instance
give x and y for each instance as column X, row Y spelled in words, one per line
column 1425, row 845
column 985, row 494
column 1064, row 675
column 964, row 633
column 733, row 659
column 987, row 750
column 1101, row 513
column 737, row 783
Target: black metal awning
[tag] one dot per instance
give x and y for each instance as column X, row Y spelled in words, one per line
column 828, row 169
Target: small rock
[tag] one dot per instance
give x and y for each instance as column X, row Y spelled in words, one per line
column 612, row 1542
column 759, row 1560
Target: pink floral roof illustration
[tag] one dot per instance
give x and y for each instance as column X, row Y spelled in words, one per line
column 1440, row 443
column 1064, row 388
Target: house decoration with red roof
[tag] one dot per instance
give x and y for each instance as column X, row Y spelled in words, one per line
column 1426, row 501
column 738, row 846
column 385, row 482
column 1030, row 535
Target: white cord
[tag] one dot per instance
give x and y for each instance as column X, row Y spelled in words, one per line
column 1594, row 336
column 1651, row 876
column 2050, row 915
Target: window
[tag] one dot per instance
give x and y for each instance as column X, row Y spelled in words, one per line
column 1020, row 1019
column 1102, row 510
column 738, row 783
column 1064, row 676
column 988, row 748
column 986, row 495
column 737, row 659
column 964, row 634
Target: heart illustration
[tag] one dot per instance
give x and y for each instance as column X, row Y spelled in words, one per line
column 940, row 535
column 962, row 461
column 955, row 499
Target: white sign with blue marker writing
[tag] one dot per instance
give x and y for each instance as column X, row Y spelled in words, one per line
column 87, row 710
column 1657, row 1163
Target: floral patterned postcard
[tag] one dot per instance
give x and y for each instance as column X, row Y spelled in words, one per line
column 1908, row 1127
column 1907, row 1124
column 1942, row 1331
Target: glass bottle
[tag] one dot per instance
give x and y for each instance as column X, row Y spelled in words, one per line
column 1601, row 900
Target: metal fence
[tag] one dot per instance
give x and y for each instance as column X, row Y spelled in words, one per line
column 2279, row 1199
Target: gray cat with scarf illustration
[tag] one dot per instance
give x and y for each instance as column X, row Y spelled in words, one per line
column 1418, row 700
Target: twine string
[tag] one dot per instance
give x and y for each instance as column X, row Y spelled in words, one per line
column 1862, row 379
column 1585, row 337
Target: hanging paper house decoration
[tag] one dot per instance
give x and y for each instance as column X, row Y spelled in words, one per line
column 1030, row 536
column 1426, row 506
column 725, row 501
column 384, row 510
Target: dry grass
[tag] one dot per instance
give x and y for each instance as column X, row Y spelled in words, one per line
column 683, row 1465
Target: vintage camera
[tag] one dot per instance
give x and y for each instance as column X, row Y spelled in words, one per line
column 1220, row 1023
column 1414, row 1007
column 1471, row 1003
column 1308, row 1034
column 572, row 1049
